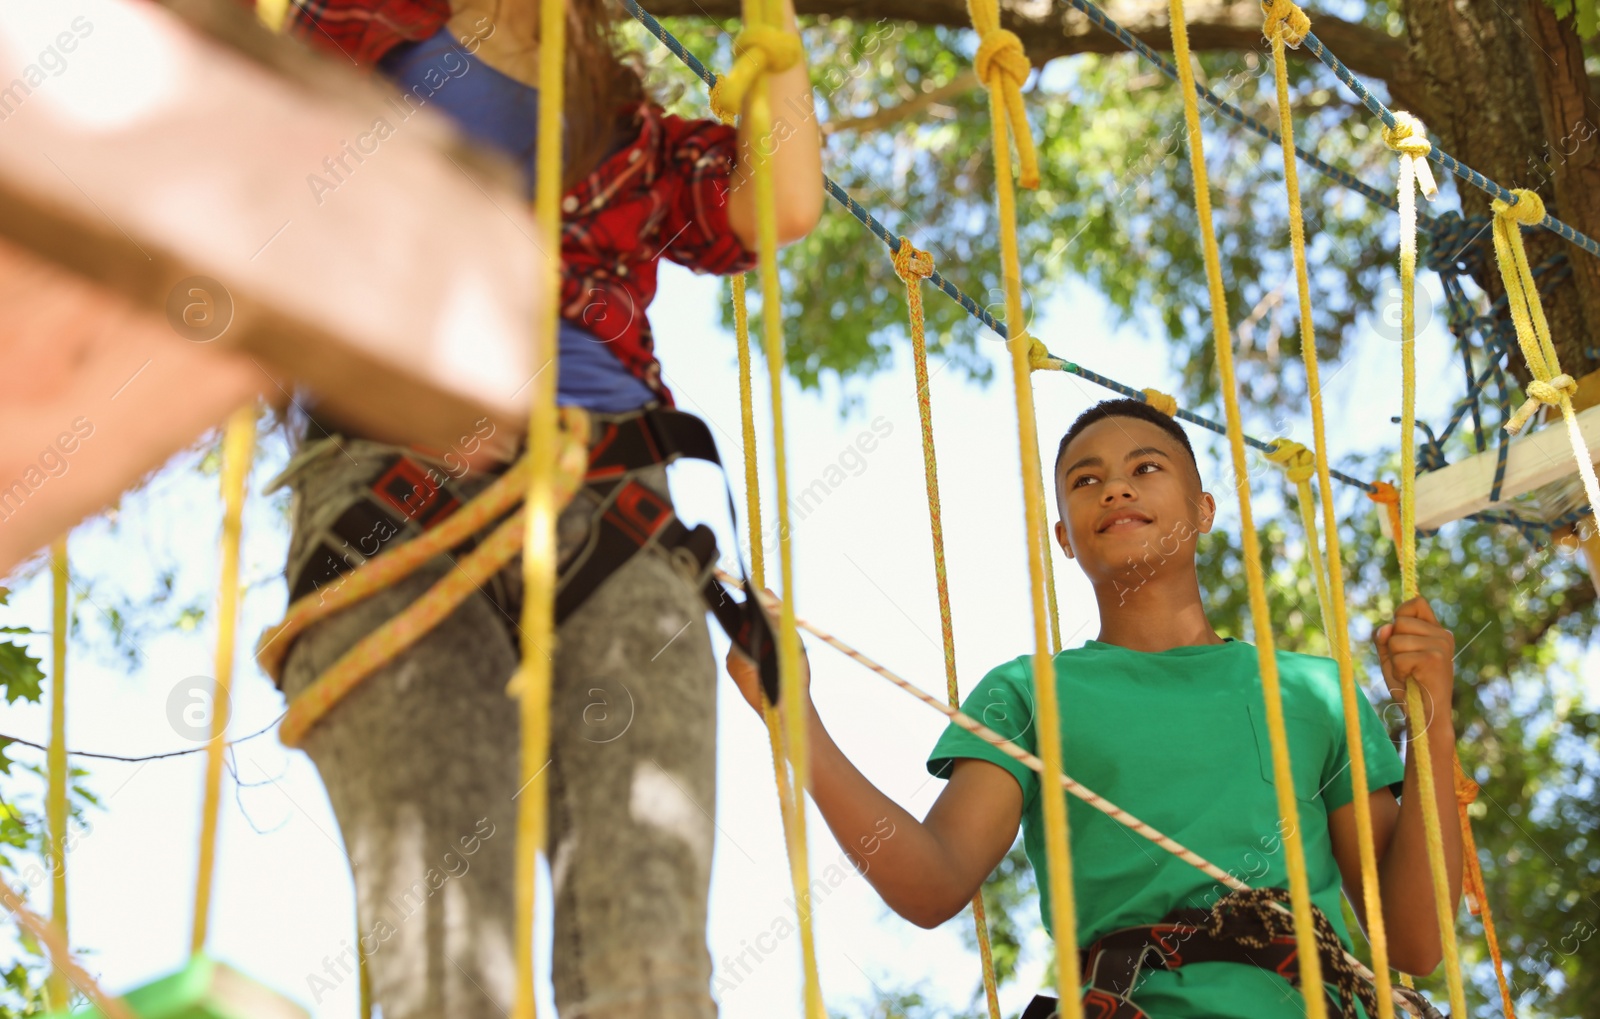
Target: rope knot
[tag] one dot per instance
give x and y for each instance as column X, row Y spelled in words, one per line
column 1039, row 356
column 779, row 50
column 1003, row 67
column 719, row 102
column 1000, row 51
column 1296, row 460
column 1541, row 393
column 759, row 49
column 912, row 264
column 1163, row 402
column 1409, row 138
column 1385, row 493
column 1529, row 208
column 1284, row 17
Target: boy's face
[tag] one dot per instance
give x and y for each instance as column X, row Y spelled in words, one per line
column 1130, row 501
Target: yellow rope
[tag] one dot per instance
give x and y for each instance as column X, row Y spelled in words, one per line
column 1164, row 402
column 913, row 266
column 752, row 502
column 416, row 620
column 57, row 994
column 1550, row 385
column 998, row 73
column 1002, row 65
column 1287, row 25
column 1283, row 777
column 532, row 685
column 1406, row 137
column 1416, row 722
column 273, row 13
column 765, row 47
column 238, row 443
column 1300, row 465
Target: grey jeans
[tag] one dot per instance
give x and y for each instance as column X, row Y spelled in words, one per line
column 421, row 767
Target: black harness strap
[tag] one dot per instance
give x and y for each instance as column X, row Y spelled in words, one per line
column 632, row 518
column 405, row 500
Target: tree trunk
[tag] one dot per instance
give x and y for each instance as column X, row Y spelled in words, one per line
column 1491, row 106
column 1571, row 119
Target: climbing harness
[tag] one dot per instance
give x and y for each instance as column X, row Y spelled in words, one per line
column 1242, row 927
column 417, row 514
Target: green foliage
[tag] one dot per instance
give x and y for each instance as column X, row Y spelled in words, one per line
column 1586, row 12
column 23, row 990
column 1114, row 208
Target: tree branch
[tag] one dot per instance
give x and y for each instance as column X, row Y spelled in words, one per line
column 885, row 116
column 1049, row 30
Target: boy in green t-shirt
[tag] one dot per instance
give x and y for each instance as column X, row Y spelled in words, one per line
column 1167, row 720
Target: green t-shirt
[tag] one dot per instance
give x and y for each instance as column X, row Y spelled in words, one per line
column 1179, row 739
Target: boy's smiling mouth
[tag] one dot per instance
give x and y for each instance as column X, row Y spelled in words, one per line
column 1123, row 520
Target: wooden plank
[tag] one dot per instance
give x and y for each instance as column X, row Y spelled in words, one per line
column 362, row 250
column 1535, row 459
column 346, row 243
column 94, row 394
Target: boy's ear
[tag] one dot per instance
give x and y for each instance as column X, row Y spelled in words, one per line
column 1061, row 539
column 1208, row 512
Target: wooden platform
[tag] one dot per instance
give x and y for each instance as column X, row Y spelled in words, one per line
column 194, row 212
column 1534, row 460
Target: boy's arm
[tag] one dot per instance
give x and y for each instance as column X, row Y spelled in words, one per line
column 1414, row 646
column 924, row 870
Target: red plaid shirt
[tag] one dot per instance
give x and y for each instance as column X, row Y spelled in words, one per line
column 662, row 194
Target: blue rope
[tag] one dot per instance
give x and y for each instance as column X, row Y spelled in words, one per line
column 1437, row 154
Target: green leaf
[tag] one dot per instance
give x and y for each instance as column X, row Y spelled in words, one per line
column 20, row 675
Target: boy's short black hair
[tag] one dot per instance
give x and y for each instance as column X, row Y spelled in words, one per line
column 1125, row 409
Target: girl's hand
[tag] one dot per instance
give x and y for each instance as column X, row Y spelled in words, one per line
column 748, row 677
column 1415, row 647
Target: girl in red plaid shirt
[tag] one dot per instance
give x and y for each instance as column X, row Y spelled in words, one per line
column 421, row 762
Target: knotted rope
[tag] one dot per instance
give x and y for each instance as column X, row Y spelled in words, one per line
column 1286, row 21
column 766, row 47
column 1300, row 466
column 1164, row 402
column 1003, row 67
column 1286, row 25
column 759, row 49
column 1385, row 494
column 1550, row 386
column 999, row 69
column 914, row 265
column 1260, row 613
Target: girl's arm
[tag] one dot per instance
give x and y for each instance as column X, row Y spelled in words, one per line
column 927, row 870
column 795, row 147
